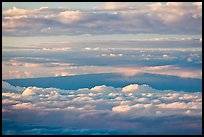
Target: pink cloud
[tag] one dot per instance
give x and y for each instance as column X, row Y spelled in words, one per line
column 17, row 11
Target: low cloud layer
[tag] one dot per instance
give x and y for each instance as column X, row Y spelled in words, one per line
column 111, row 18
column 170, row 58
column 113, row 108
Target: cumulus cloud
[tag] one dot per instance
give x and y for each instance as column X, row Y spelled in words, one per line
column 105, row 103
column 17, row 11
column 132, row 94
column 137, row 88
column 70, row 16
column 126, row 18
column 130, row 88
column 8, row 87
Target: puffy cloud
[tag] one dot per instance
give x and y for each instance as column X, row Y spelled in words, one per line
column 8, row 87
column 109, row 105
column 103, row 89
column 140, row 93
column 70, row 16
column 180, row 9
column 126, row 18
column 17, row 11
column 130, row 88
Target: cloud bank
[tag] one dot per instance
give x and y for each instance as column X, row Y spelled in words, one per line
column 111, row 18
column 183, row 60
column 126, row 108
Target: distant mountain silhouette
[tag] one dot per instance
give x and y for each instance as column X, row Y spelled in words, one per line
column 161, row 82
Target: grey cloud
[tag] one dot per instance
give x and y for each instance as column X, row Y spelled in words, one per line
column 73, row 22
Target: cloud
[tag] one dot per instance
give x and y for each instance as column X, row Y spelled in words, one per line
column 114, row 6
column 8, row 87
column 17, row 11
column 129, row 61
column 24, row 68
column 111, row 106
column 112, row 55
column 141, row 93
column 126, row 18
column 171, row 70
column 63, row 74
column 180, row 9
column 17, row 63
column 57, row 49
column 70, row 16
column 130, row 88
column 137, row 88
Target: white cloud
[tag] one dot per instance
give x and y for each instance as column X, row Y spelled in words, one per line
column 69, row 16
column 143, row 98
column 57, row 49
column 101, row 103
column 17, row 11
column 130, row 88
column 57, row 74
column 112, row 55
column 118, row 18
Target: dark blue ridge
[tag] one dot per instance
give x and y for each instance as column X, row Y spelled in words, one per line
column 161, row 82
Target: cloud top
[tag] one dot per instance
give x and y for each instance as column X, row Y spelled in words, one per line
column 114, row 108
column 114, row 18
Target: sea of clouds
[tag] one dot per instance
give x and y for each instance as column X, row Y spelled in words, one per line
column 133, row 109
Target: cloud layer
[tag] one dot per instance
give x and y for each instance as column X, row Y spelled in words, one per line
column 158, row 44
column 174, row 58
column 111, row 18
column 109, row 105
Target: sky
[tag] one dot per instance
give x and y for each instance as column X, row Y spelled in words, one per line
column 147, row 46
